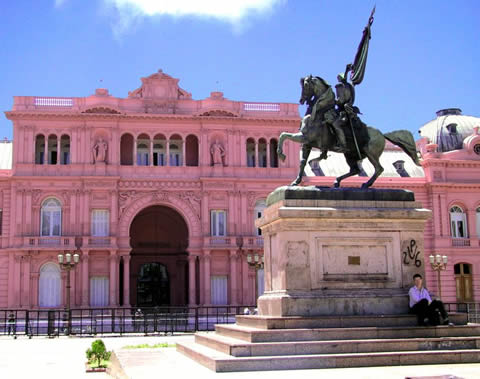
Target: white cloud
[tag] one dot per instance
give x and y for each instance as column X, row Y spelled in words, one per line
column 234, row 12
column 59, row 3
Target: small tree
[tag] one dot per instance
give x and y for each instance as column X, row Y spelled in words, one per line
column 98, row 352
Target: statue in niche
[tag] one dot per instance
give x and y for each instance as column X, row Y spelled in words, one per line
column 100, row 151
column 218, row 152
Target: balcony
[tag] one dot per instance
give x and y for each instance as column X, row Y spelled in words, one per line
column 230, row 242
column 61, row 242
column 460, row 242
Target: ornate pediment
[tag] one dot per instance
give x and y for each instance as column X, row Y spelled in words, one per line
column 101, row 110
column 160, row 86
column 218, row 113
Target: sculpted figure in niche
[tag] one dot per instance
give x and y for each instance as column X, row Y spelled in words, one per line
column 218, row 152
column 100, row 151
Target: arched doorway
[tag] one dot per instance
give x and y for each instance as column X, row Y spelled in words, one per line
column 159, row 261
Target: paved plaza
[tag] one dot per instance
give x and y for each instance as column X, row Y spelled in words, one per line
column 65, row 357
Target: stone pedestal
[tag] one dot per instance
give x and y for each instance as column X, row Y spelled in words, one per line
column 340, row 251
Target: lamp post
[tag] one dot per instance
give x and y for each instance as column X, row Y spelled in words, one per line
column 66, row 263
column 256, row 261
column 438, row 263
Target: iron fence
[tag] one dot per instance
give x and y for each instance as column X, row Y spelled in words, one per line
column 471, row 309
column 93, row 321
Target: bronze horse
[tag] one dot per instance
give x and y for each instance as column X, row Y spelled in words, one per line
column 314, row 132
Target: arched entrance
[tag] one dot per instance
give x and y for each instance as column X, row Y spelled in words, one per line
column 159, row 264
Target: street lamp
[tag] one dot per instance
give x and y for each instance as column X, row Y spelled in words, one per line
column 66, row 263
column 438, row 264
column 256, row 261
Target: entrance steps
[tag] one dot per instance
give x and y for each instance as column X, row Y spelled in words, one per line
column 269, row 343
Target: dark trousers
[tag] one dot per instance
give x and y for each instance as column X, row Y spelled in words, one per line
column 432, row 312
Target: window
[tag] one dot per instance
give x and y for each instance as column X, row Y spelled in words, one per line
column 258, row 212
column 250, row 152
column 99, row 291
column 478, row 222
column 49, row 286
column 174, row 158
column 1, row 221
column 218, row 225
column 219, row 289
column 458, row 222
column 142, row 155
column 100, row 222
column 463, row 282
column 51, row 218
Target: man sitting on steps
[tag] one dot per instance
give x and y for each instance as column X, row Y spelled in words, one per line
column 428, row 312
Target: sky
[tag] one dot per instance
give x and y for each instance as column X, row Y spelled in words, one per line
column 424, row 55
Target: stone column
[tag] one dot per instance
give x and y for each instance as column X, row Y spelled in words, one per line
column 150, row 155
column 86, row 212
column 126, row 281
column 134, row 151
column 85, row 280
column 113, row 213
column 113, row 278
column 167, row 152
column 445, row 212
column 45, row 158
column 245, row 286
column 26, row 281
column 268, row 153
column 256, row 155
column 59, row 147
column 206, row 270
column 192, row 290
column 183, row 153
column 233, row 277
column 16, row 280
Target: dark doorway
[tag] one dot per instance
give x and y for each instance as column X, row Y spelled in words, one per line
column 153, row 285
column 159, row 258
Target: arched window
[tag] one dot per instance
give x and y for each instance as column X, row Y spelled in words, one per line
column 126, row 150
column 273, row 153
column 143, row 150
column 250, row 152
column 458, row 222
column 175, row 154
column 65, row 149
column 478, row 222
column 191, row 153
column 159, row 150
column 49, row 293
column 463, row 281
column 258, row 212
column 262, row 153
column 51, row 218
column 52, row 149
column 40, row 149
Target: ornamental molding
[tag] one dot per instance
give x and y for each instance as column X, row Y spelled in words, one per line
column 76, row 116
column 147, row 184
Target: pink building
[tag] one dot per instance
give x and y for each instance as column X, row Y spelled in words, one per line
column 159, row 192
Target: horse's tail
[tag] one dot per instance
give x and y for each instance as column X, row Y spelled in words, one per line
column 404, row 140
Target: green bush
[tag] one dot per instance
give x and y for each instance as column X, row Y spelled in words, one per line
column 98, row 353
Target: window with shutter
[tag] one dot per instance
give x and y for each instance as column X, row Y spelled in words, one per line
column 100, row 223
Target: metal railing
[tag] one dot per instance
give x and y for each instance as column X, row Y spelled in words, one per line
column 471, row 309
column 93, row 321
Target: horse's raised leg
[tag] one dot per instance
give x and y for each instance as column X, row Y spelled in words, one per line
column 305, row 153
column 295, row 137
column 375, row 161
column 354, row 170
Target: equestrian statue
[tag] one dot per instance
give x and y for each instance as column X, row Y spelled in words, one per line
column 331, row 122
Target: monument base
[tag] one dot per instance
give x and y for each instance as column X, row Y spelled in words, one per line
column 340, row 251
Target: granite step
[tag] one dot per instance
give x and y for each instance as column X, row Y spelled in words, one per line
column 269, row 322
column 238, row 348
column 249, row 334
column 221, row 362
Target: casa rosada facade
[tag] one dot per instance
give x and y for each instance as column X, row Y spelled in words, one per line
column 158, row 194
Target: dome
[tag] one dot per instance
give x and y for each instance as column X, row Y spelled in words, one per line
column 449, row 129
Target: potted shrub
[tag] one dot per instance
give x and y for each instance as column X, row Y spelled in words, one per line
column 97, row 356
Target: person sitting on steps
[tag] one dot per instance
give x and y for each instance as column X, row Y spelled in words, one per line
column 428, row 311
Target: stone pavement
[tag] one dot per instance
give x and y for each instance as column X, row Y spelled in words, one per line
column 64, row 357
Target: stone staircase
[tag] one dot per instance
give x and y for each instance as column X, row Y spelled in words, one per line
column 282, row 343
